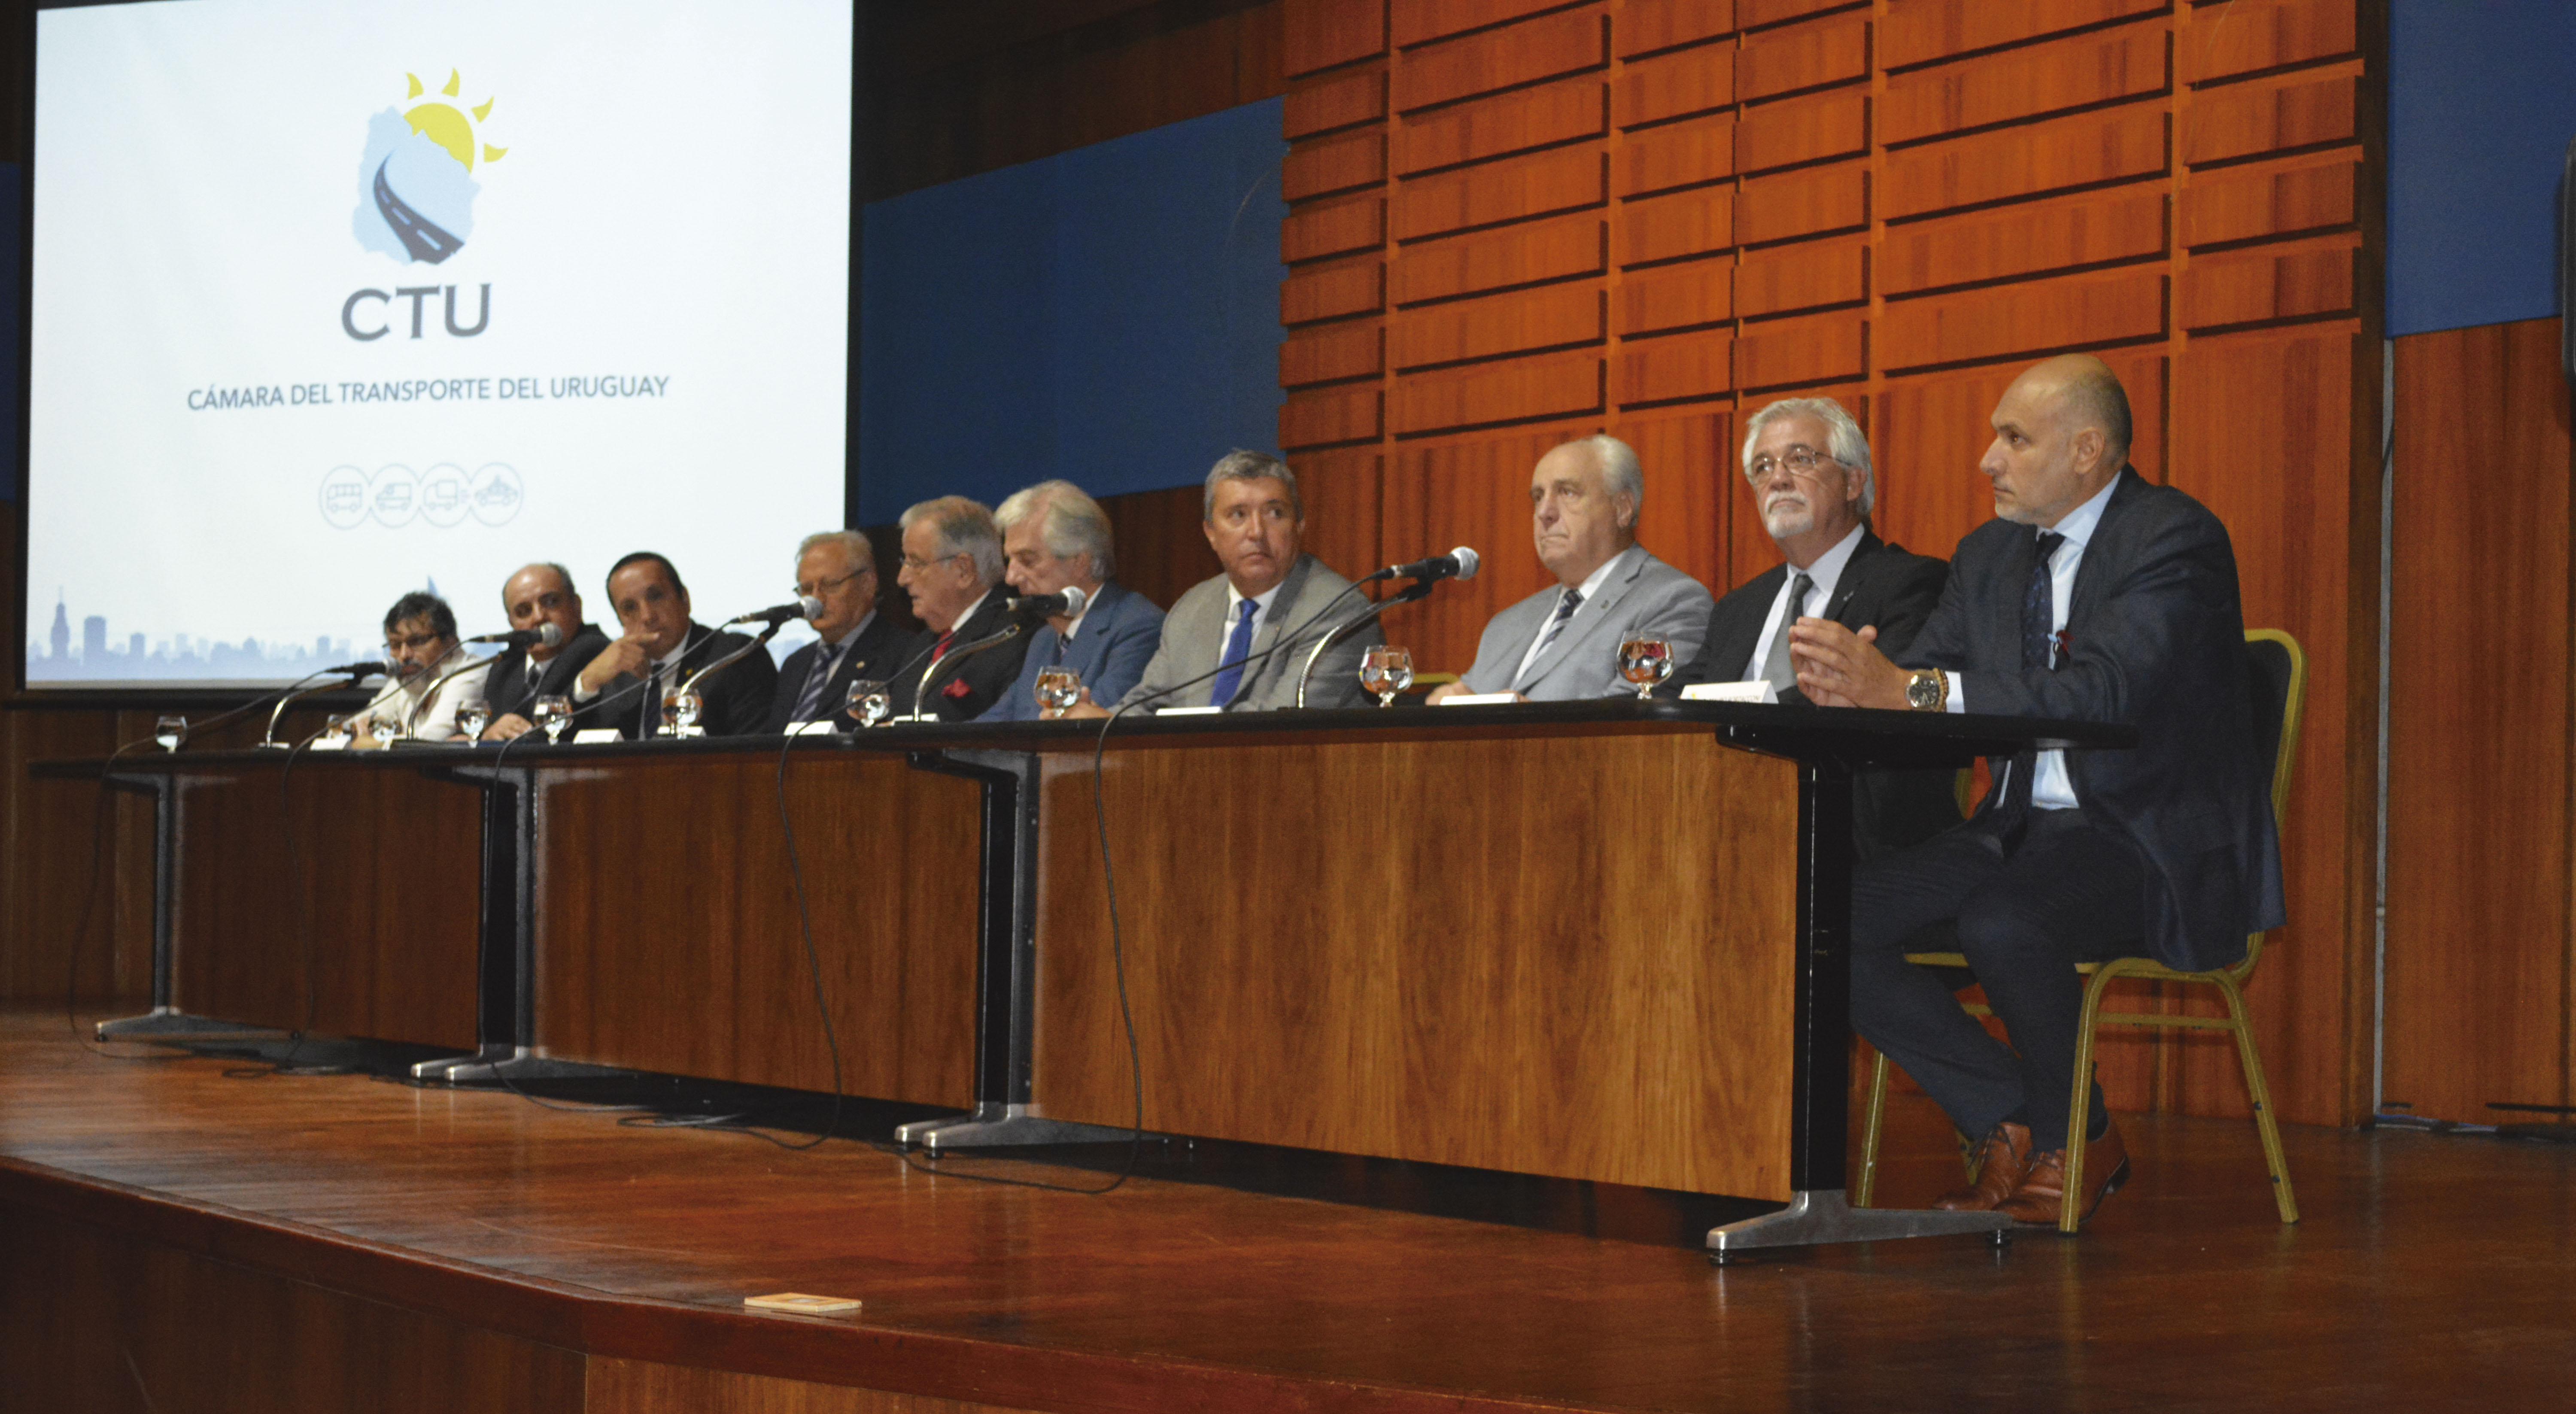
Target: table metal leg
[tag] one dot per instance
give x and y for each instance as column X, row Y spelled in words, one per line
column 166, row 1022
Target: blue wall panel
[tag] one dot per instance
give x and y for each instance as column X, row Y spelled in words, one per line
column 2482, row 103
column 1109, row 315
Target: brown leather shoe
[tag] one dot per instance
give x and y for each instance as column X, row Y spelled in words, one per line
column 2042, row 1195
column 2002, row 1160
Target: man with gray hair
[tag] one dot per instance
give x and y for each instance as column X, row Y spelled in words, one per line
column 1562, row 643
column 854, row 643
column 1056, row 538
column 1813, row 485
column 952, row 561
column 1238, row 642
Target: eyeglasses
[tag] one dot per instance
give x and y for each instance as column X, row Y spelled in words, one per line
column 823, row 586
column 412, row 643
column 917, row 566
column 1800, row 461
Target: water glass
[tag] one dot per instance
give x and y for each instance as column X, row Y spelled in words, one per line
column 554, row 713
column 1645, row 663
column 681, row 709
column 869, row 702
column 471, row 719
column 1058, row 688
column 1386, row 672
column 170, row 732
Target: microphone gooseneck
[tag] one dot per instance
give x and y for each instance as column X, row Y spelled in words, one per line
column 1459, row 563
column 805, row 607
column 1069, row 602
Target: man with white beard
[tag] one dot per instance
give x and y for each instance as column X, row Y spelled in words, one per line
column 1809, row 467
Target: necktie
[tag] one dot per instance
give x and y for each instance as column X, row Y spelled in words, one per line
column 2038, row 614
column 939, row 650
column 1776, row 667
column 1238, row 646
column 1061, row 643
column 1571, row 600
column 652, row 701
column 810, row 701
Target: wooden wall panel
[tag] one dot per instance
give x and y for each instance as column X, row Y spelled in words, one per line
column 2479, row 725
column 1338, row 102
column 1323, row 33
column 1898, row 204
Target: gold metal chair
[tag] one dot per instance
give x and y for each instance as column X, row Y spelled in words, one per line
column 2280, row 672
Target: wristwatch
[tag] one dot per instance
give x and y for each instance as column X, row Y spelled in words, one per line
column 1927, row 690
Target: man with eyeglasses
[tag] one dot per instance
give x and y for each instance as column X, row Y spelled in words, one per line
column 535, row 596
column 662, row 649
column 952, row 565
column 856, row 642
column 420, row 648
column 1562, row 643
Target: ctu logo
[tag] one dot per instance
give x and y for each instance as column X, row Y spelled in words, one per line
column 414, row 293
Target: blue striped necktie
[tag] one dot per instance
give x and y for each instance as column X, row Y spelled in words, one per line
column 1238, row 646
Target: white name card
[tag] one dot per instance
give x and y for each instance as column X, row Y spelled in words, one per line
column 1478, row 699
column 1760, row 691
column 590, row 735
column 1189, row 711
column 809, row 728
column 329, row 743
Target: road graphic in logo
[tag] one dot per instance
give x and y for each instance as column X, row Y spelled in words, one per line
column 416, row 183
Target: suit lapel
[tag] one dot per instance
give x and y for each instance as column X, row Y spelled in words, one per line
column 1855, row 574
column 2080, row 599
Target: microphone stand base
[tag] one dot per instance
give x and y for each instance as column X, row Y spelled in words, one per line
column 494, row 1064
column 1818, row 1216
column 999, row 1126
column 168, row 1023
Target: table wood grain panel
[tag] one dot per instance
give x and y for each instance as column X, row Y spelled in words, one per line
column 1345, row 100
column 1675, row 85
column 2250, row 36
column 1793, row 57
column 2479, row 725
column 1496, row 127
column 653, row 1387
column 1316, row 230
column 1319, row 34
column 2273, row 199
column 1798, row 131
column 2129, row 62
column 1597, row 989
column 2061, row 154
column 1552, row 316
column 1512, row 190
column 1544, row 48
column 667, row 933
column 2021, row 241
column 1815, row 202
column 2251, row 119
column 1496, row 260
column 1649, row 26
column 387, row 879
column 1676, row 227
column 1923, row 31
column 2267, row 285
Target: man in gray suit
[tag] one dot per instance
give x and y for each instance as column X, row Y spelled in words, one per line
column 1214, row 638
column 1562, row 643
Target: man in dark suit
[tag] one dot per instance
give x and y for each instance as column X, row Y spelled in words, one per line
column 1057, row 538
column 537, row 595
column 1813, row 484
column 952, row 564
column 2094, row 596
column 856, row 643
column 663, row 649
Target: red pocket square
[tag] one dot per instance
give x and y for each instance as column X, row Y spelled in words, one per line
column 956, row 688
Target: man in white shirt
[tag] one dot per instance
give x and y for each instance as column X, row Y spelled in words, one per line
column 421, row 646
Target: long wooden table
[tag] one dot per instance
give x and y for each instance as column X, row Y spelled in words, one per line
column 1595, row 941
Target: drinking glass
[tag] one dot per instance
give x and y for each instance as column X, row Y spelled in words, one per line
column 869, row 702
column 1386, row 672
column 170, row 732
column 681, row 708
column 554, row 713
column 471, row 719
column 390, row 728
column 1058, row 688
column 1646, row 662
column 339, row 728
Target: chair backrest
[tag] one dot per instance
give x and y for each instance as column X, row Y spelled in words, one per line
column 2278, row 670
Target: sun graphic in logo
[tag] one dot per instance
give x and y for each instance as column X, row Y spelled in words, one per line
column 415, row 182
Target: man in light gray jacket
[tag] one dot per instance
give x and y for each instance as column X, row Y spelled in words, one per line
column 1562, row 643
column 1215, row 638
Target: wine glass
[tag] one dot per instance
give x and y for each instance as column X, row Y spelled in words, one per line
column 1386, row 672
column 554, row 713
column 390, row 727
column 869, row 702
column 170, row 732
column 471, row 719
column 1058, row 688
column 681, row 709
column 339, row 728
column 1645, row 662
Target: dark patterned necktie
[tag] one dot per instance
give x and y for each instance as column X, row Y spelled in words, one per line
column 810, row 701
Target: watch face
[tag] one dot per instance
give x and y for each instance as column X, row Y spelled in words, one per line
column 1924, row 692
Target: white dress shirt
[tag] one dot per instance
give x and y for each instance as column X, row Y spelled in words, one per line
column 1827, row 572
column 2050, row 787
column 399, row 699
column 1590, row 586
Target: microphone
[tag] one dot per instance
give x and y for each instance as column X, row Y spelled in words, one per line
column 1457, row 564
column 546, row 635
column 805, row 607
column 1069, row 603
column 364, row 670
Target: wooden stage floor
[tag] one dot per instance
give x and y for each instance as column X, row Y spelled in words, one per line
column 173, row 1239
